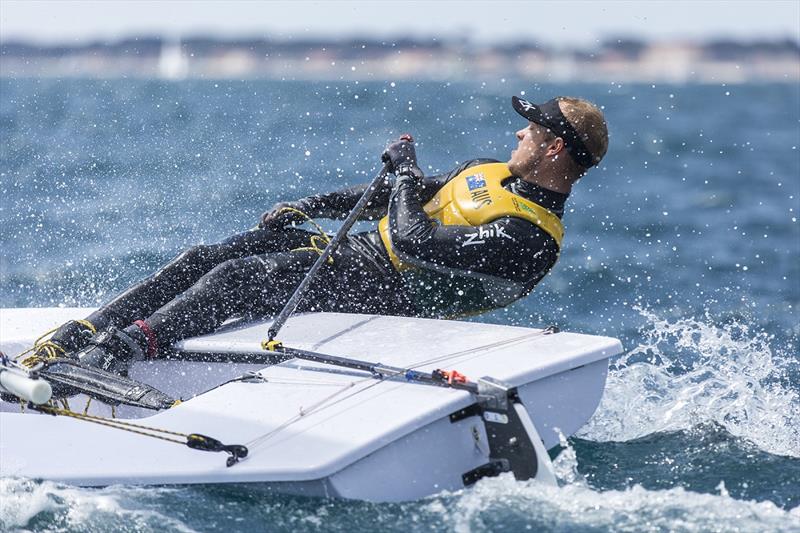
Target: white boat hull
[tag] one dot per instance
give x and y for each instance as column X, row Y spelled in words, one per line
column 310, row 428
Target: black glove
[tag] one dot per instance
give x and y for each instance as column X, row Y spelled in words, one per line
column 402, row 157
column 281, row 216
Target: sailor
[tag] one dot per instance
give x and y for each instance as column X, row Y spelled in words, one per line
column 473, row 239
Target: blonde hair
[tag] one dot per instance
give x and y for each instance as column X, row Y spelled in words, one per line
column 588, row 122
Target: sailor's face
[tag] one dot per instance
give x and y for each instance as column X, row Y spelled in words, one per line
column 531, row 147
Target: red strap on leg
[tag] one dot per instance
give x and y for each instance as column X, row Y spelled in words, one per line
column 152, row 344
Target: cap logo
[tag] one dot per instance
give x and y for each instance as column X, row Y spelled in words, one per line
column 526, row 105
column 551, row 117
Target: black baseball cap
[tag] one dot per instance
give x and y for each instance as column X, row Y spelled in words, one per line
column 550, row 116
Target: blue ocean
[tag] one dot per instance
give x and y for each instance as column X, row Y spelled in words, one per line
column 684, row 244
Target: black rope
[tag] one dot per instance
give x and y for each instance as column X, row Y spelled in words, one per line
column 194, row 441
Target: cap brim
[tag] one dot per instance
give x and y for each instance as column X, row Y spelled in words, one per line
column 526, row 109
column 551, row 117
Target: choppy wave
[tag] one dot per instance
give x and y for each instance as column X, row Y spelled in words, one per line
column 491, row 505
column 502, row 503
column 38, row 506
column 688, row 372
column 696, row 401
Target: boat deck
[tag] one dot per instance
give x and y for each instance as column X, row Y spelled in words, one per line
column 305, row 421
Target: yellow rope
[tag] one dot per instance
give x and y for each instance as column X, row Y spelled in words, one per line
column 43, row 348
column 88, row 325
column 49, row 350
column 315, row 239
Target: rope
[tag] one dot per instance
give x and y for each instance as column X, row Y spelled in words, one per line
column 479, row 350
column 116, row 424
column 194, row 441
column 315, row 239
column 305, row 412
column 304, row 381
column 46, row 349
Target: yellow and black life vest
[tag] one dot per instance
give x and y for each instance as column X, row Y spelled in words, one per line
column 476, row 196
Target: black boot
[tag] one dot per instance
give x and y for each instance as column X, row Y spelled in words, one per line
column 70, row 337
column 111, row 350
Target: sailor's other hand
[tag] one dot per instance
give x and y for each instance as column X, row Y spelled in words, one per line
column 401, row 156
column 281, row 215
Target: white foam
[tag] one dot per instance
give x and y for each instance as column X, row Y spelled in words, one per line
column 575, row 505
column 23, row 500
column 520, row 506
column 566, row 464
column 688, row 372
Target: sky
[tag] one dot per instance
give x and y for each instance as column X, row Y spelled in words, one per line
column 565, row 23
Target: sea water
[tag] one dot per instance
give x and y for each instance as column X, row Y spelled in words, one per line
column 684, row 244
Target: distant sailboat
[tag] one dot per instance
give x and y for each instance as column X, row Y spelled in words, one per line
column 172, row 63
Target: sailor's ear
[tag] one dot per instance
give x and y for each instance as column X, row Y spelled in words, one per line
column 555, row 147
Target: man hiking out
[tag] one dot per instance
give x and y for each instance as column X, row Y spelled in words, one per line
column 474, row 239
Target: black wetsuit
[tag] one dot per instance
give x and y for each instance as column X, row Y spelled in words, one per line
column 255, row 272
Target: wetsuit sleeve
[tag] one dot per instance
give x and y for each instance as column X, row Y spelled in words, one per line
column 510, row 248
column 338, row 204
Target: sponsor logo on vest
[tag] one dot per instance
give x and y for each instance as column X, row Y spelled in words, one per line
column 477, row 190
column 519, row 206
column 480, row 236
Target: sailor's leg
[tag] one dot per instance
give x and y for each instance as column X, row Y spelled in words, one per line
column 143, row 298
column 234, row 287
column 356, row 285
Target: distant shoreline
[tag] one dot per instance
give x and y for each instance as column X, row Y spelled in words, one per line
column 615, row 60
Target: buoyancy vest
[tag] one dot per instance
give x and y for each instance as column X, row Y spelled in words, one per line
column 474, row 197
